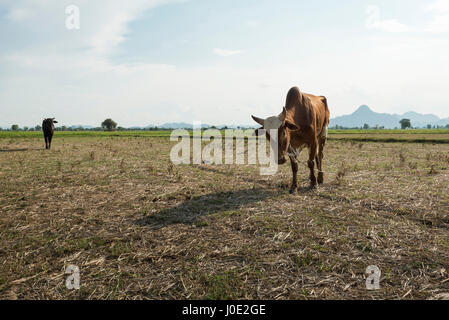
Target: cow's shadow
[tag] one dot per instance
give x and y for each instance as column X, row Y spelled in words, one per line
column 13, row 150
column 191, row 211
column 22, row 149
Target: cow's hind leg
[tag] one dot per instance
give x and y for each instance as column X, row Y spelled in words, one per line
column 319, row 161
column 294, row 163
column 311, row 164
column 49, row 141
column 46, row 142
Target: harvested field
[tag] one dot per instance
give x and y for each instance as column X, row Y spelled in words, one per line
column 396, row 137
column 139, row 227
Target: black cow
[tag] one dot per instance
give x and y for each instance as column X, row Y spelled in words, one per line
column 48, row 128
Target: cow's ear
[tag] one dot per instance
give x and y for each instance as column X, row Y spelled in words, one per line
column 54, row 121
column 291, row 126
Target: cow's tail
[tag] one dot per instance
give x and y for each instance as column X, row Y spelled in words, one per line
column 326, row 109
column 324, row 129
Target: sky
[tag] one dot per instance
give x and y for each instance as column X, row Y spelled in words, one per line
column 144, row 62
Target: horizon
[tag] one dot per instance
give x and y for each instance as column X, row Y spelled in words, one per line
column 248, row 125
column 155, row 62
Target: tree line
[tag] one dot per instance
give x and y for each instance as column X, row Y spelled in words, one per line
column 106, row 125
column 404, row 124
column 111, row 125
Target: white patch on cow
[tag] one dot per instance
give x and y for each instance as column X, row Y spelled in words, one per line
column 324, row 132
column 272, row 123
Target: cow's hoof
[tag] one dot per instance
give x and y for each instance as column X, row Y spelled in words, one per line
column 293, row 191
column 320, row 179
column 313, row 186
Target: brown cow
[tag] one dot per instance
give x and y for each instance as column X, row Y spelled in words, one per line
column 302, row 123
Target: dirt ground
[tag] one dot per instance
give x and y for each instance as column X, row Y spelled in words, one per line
column 139, row 227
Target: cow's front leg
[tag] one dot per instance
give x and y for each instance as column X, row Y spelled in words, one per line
column 294, row 163
column 311, row 164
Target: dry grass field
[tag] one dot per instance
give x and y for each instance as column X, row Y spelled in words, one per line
column 140, row 228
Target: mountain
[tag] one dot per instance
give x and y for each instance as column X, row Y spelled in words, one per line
column 443, row 122
column 418, row 118
column 364, row 115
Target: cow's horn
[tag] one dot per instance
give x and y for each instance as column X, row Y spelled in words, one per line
column 258, row 120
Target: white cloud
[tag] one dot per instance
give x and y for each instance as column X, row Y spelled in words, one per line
column 440, row 20
column 390, row 26
column 439, row 6
column 438, row 24
column 110, row 26
column 226, row 52
column 104, row 23
column 374, row 21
